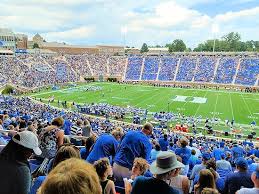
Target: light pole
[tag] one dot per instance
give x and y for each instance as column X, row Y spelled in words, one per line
column 215, row 30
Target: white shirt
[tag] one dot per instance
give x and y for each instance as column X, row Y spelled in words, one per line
column 248, row 191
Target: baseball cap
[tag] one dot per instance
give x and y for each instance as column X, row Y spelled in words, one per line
column 223, row 155
column 29, row 140
column 241, row 162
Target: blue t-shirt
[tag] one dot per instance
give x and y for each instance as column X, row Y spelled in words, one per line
column 217, row 153
column 67, row 125
column 134, row 144
column 163, row 144
column 193, row 160
column 236, row 180
column 237, row 152
column 105, row 146
column 36, row 184
column 184, row 153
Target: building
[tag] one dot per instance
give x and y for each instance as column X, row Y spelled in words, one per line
column 21, row 41
column 38, row 40
column 64, row 48
column 7, row 39
column 109, row 49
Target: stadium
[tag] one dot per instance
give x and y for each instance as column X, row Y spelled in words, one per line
column 123, row 119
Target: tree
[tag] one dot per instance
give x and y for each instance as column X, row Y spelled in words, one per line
column 233, row 41
column 35, row 45
column 177, row 46
column 144, row 48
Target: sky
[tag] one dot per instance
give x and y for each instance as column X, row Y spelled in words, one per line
column 131, row 22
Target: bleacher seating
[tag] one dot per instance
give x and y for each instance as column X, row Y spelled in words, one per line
column 205, row 69
column 186, row 69
column 248, row 72
column 226, row 70
column 39, row 70
column 150, row 68
column 167, row 68
column 134, row 68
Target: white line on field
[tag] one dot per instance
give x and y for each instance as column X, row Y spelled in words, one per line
column 215, row 106
column 200, row 104
column 231, row 106
column 247, row 106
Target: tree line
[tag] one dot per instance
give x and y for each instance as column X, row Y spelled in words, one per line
column 228, row 43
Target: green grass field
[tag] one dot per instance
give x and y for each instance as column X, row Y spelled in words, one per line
column 242, row 107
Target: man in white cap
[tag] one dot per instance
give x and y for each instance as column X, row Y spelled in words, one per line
column 14, row 165
column 165, row 167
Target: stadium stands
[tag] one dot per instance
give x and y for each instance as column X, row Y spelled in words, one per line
column 186, row 69
column 134, row 68
column 39, row 70
column 150, row 68
column 167, row 68
column 248, row 72
column 226, row 70
column 205, row 69
column 202, row 152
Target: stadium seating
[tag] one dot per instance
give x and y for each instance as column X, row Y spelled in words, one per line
column 186, row 69
column 39, row 70
column 150, row 68
column 167, row 68
column 205, row 69
column 248, row 72
column 226, row 70
column 134, row 68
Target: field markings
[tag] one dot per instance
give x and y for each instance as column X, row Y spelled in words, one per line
column 200, row 105
column 231, row 105
column 148, row 98
column 214, row 111
column 188, row 101
column 247, row 106
column 62, row 90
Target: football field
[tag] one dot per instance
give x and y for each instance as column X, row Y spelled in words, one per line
column 242, row 107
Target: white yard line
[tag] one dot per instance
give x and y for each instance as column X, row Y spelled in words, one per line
column 215, row 106
column 231, row 107
column 54, row 91
column 247, row 106
column 200, row 105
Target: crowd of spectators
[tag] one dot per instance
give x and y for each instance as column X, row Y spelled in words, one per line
column 248, row 72
column 186, row 69
column 115, row 157
column 134, row 68
column 205, row 69
column 167, row 68
column 226, row 70
column 150, row 70
column 41, row 70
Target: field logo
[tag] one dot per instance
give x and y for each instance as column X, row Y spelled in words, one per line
column 197, row 100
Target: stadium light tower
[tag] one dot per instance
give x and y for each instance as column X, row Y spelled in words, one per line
column 215, row 30
column 124, row 31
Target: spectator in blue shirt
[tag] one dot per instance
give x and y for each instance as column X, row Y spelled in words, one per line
column 105, row 147
column 237, row 151
column 198, row 167
column 184, row 153
column 241, row 178
column 193, row 160
column 216, row 153
column 163, row 142
column 156, row 150
column 134, row 144
column 256, row 152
